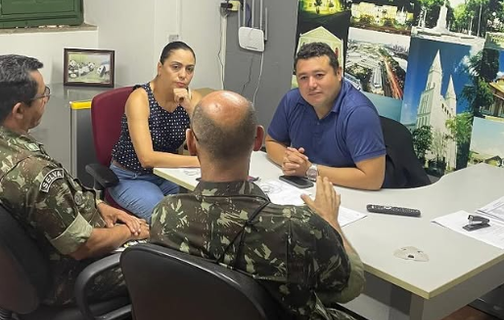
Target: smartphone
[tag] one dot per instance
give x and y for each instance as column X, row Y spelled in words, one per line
column 299, row 182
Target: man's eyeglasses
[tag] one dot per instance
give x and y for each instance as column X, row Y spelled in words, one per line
column 46, row 94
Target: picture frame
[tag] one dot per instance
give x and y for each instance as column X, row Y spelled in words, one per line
column 88, row 67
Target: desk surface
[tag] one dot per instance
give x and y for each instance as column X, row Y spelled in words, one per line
column 453, row 257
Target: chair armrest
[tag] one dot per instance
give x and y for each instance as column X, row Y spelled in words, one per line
column 103, row 176
column 85, row 279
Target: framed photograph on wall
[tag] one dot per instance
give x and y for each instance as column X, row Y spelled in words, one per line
column 88, row 67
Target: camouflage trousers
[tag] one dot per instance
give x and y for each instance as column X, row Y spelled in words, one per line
column 339, row 315
column 107, row 285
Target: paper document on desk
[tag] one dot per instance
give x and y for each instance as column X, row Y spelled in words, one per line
column 347, row 216
column 285, row 194
column 191, row 172
column 282, row 193
column 494, row 209
column 493, row 235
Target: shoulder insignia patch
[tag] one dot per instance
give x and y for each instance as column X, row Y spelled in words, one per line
column 32, row 147
column 50, row 177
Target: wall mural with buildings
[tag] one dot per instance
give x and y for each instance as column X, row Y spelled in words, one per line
column 326, row 21
column 377, row 61
column 379, row 44
column 487, row 135
column 443, row 58
column 438, row 76
column 487, row 142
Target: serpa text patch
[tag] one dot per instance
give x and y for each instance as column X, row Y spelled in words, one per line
column 50, row 177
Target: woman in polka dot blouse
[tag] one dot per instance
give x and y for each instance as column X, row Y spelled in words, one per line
column 153, row 129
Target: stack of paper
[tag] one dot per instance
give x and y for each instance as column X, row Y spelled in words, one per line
column 493, row 235
column 285, row 194
column 493, row 210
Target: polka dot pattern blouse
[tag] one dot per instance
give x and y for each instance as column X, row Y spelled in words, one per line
column 167, row 131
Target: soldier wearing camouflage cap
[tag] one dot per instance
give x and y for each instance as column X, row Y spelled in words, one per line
column 61, row 215
column 298, row 253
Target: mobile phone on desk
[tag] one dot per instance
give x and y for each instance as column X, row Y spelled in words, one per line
column 299, row 182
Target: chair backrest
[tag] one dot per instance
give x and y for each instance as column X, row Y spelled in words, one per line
column 107, row 109
column 24, row 272
column 403, row 169
column 168, row 284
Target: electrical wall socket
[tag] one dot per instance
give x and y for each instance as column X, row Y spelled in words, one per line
column 235, row 7
column 173, row 37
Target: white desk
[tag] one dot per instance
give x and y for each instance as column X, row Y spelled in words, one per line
column 460, row 268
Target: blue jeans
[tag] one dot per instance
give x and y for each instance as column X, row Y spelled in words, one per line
column 140, row 193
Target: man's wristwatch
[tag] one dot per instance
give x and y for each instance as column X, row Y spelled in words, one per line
column 312, row 172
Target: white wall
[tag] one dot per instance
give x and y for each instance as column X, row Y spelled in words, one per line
column 139, row 29
column 48, row 48
column 200, row 28
column 128, row 28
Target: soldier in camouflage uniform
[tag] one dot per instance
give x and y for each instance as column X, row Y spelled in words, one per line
column 298, row 253
column 61, row 215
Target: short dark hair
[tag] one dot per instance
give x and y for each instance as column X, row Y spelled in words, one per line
column 16, row 83
column 317, row 49
column 172, row 46
column 225, row 143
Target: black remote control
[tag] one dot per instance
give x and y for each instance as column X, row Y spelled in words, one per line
column 399, row 211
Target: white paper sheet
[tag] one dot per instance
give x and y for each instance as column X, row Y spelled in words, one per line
column 493, row 235
column 494, row 209
column 285, row 194
column 347, row 216
column 282, row 193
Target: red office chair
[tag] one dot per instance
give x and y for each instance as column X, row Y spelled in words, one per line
column 107, row 109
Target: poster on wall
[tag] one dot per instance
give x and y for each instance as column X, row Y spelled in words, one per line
column 377, row 61
column 378, row 47
column 323, row 21
column 490, row 86
column 452, row 78
column 487, row 137
column 385, row 16
column 487, row 142
column 437, row 101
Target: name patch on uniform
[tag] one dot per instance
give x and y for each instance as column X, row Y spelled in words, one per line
column 50, row 177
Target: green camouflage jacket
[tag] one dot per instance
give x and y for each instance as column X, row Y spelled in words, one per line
column 296, row 255
column 55, row 209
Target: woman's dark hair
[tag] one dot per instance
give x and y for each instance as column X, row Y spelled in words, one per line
column 172, row 46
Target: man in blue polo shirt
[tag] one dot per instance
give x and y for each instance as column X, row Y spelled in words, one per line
column 327, row 127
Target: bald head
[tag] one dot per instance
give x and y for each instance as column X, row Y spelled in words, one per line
column 225, row 125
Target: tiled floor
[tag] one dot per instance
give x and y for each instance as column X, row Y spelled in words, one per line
column 468, row 313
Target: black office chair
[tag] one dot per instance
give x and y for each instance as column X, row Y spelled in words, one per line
column 25, row 277
column 403, row 169
column 164, row 283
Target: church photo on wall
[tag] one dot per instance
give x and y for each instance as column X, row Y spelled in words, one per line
column 436, row 101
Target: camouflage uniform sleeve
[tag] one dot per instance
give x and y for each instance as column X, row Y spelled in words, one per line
column 355, row 285
column 341, row 275
column 332, row 265
column 47, row 197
